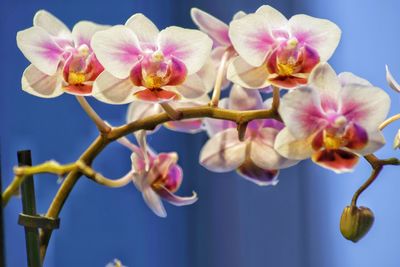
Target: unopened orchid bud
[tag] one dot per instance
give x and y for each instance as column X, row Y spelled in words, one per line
column 396, row 143
column 356, row 222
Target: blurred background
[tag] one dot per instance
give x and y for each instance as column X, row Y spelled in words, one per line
column 234, row 223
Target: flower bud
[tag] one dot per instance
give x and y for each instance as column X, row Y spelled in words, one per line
column 356, row 222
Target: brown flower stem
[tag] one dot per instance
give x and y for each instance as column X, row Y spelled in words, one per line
column 377, row 166
column 275, row 98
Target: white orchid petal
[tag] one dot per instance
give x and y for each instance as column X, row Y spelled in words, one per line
column 290, row 147
column 247, row 76
column 112, row 90
column 153, row 201
column 391, row 81
column 144, row 28
column 39, row 84
column 83, row 32
column 223, row 152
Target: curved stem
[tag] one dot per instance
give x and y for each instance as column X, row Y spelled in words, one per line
column 100, row 124
column 220, row 78
column 389, row 121
column 371, row 179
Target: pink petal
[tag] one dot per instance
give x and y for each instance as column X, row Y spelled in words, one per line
column 192, row 47
column 302, row 113
column 257, row 175
column 117, row 49
column 178, row 72
column 40, row 49
column 321, row 34
column 223, row 152
column 177, row 200
column 337, row 160
column 366, row 106
column 39, row 84
column 214, row 27
column 193, row 87
column 252, row 38
column 79, row 89
column 356, row 136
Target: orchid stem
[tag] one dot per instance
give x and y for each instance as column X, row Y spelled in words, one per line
column 220, row 77
column 241, row 128
column 171, row 112
column 389, row 121
column 275, row 98
column 100, row 123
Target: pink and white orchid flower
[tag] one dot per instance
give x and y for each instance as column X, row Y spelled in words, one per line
column 143, row 63
column 254, row 158
column 219, row 33
column 157, row 176
column 140, row 110
column 333, row 120
column 276, row 51
column 62, row 61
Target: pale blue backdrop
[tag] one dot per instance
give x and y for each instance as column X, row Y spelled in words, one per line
column 235, row 223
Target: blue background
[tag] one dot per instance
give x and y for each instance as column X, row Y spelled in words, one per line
column 235, row 223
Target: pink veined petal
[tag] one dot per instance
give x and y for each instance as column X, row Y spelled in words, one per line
column 302, row 113
column 247, row 76
column 193, row 87
column 144, row 29
column 192, row 47
column 83, row 32
column 53, row 26
column 290, row 147
column 257, row 175
column 263, row 154
column 252, row 38
column 112, row 90
column 39, row 84
column 153, row 201
column 321, row 34
column 337, row 160
column 40, row 49
column 244, row 99
column 366, row 106
column 223, row 152
column 209, row 24
column 391, row 81
column 161, row 168
column 78, row 89
column 177, row 200
column 348, row 78
column 323, row 79
column 117, row 49
column 275, row 18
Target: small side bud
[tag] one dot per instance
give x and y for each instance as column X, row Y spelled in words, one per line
column 396, row 143
column 356, row 222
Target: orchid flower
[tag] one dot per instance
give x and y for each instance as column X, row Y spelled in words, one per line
column 143, row 63
column 254, row 158
column 391, row 81
column 140, row 110
column 115, row 263
column 61, row 60
column 333, row 120
column 157, row 176
column 276, row 51
column 219, row 33
column 396, row 142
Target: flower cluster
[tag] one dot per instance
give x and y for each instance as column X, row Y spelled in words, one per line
column 329, row 118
